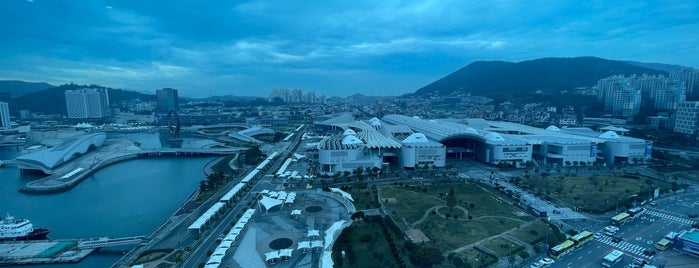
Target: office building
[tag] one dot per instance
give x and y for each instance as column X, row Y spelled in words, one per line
column 687, row 117
column 87, row 103
column 167, row 100
column 4, row 115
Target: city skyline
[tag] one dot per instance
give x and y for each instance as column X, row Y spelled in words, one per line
column 335, row 49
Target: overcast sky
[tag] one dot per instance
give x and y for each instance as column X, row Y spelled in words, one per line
column 336, row 48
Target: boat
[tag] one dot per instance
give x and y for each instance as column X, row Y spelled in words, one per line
column 12, row 229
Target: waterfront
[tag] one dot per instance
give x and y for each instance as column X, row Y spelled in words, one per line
column 125, row 199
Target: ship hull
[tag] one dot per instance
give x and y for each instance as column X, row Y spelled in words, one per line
column 37, row 234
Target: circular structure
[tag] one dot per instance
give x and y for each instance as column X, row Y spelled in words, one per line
column 280, row 243
column 314, row 209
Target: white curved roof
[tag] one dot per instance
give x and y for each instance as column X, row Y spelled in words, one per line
column 416, row 138
column 609, row 135
column 492, row 136
column 471, row 130
column 349, row 132
column 48, row 159
column 553, row 128
column 349, row 140
column 376, row 123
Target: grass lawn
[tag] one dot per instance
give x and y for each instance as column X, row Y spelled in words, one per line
column 476, row 258
column 596, row 193
column 410, row 205
column 503, row 246
column 492, row 212
column 533, row 232
column 486, row 202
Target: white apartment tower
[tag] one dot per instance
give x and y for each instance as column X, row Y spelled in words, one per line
column 687, row 117
column 621, row 99
column 87, row 103
column 4, row 115
column 690, row 77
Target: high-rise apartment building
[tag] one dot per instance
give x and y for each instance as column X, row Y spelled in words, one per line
column 621, row 99
column 690, row 77
column 669, row 96
column 657, row 91
column 295, row 96
column 4, row 115
column 687, row 117
column 167, row 100
column 87, row 103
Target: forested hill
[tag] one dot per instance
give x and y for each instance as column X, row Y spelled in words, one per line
column 18, row 88
column 499, row 78
column 53, row 100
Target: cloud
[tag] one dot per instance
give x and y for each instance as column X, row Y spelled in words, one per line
column 334, row 47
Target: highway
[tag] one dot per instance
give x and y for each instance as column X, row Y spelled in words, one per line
column 199, row 254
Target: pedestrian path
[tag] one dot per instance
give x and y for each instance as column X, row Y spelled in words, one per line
column 623, row 246
column 669, row 217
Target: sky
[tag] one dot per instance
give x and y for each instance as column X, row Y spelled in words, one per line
column 336, row 48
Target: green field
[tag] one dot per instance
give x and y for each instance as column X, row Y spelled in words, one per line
column 474, row 258
column 595, row 193
column 491, row 214
column 503, row 246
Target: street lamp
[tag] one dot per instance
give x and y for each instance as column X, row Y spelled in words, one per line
column 509, row 255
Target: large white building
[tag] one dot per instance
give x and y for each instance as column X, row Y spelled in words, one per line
column 4, row 115
column 412, row 142
column 687, row 117
column 87, row 103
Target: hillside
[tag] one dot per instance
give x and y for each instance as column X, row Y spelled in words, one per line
column 18, row 88
column 52, row 100
column 500, row 79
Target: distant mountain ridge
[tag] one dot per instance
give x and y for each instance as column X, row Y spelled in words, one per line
column 53, row 100
column 18, row 88
column 500, row 79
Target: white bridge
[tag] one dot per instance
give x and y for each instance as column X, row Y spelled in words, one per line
column 109, row 242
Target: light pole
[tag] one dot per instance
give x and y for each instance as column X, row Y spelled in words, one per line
column 509, row 255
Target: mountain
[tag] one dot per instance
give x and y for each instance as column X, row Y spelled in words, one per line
column 657, row 66
column 53, row 100
column 19, row 88
column 501, row 79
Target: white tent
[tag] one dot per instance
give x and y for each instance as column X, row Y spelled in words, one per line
column 268, row 202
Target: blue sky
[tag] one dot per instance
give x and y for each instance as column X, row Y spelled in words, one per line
column 336, row 48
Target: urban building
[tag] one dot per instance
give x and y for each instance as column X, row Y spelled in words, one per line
column 687, row 117
column 166, row 100
column 689, row 242
column 621, row 99
column 4, row 115
column 87, row 103
column 690, row 78
column 412, row 142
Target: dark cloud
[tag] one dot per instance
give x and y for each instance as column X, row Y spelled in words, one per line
column 331, row 47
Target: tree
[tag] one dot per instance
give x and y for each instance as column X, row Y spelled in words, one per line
column 451, row 199
column 427, row 256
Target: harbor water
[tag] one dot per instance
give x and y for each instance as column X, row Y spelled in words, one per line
column 131, row 198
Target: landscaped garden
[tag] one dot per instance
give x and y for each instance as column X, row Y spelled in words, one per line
column 596, row 193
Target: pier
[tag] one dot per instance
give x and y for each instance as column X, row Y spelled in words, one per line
column 70, row 174
column 57, row 251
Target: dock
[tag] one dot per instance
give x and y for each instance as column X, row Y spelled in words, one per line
column 41, row 252
column 56, row 251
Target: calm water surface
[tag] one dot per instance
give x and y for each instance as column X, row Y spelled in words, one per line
column 130, row 198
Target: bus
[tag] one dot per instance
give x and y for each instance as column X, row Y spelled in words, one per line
column 612, row 259
column 581, row 238
column 663, row 244
column 620, row 219
column 561, row 249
